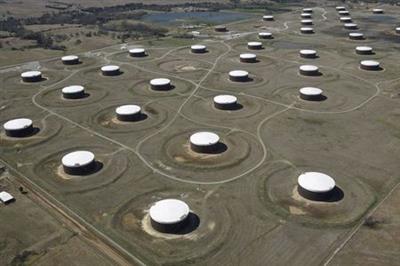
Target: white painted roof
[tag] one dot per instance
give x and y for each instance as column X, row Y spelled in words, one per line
column 204, row 138
column 17, row 124
column 238, row 73
column 31, row 74
column 129, row 109
column 73, row 89
column 160, row 82
column 316, row 182
column 137, row 50
column 169, row 211
column 69, row 58
column 77, row 158
column 364, row 48
column 248, row 56
column 340, row 8
column 397, row 28
column 264, row 34
column 268, row 16
column 344, row 12
column 377, row 10
column 306, row 29
column 356, row 34
column 308, row 52
column 198, row 47
column 5, row 197
column 310, row 91
column 370, row 63
column 225, row 99
column 254, row 43
column 110, row 68
column 305, row 15
column 306, row 21
column 309, row 68
column 307, row 9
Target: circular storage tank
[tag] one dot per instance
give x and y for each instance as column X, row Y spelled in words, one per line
column 137, row 52
column 18, row 128
column 204, row 142
column 238, row 75
column 254, row 45
column 370, row 65
column 340, row 8
column 356, row 36
column 265, row 35
column 225, row 102
column 79, row 163
column 268, row 18
column 306, row 30
column 364, row 50
column 248, row 58
column 344, row 13
column 377, row 11
column 309, row 70
column 31, row 76
column 169, row 215
column 73, row 92
column 307, row 10
column 310, row 94
column 350, row 26
column 307, row 53
column 315, row 186
column 160, row 84
column 220, row 28
column 110, row 70
column 306, row 21
column 70, row 60
column 128, row 113
column 397, row 29
column 305, row 15
column 345, row 19
column 198, row 49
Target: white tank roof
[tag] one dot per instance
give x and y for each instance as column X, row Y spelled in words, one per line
column 238, row 73
column 345, row 18
column 268, row 16
column 308, row 52
column 169, row 211
column 129, row 109
column 264, row 34
column 340, row 8
column 316, row 182
column 160, row 82
column 254, row 43
column 110, row 68
column 31, row 74
column 77, row 159
column 350, row 25
column 204, row 138
column 377, row 10
column 307, row 9
column 309, row 68
column 137, row 50
column 310, row 91
column 364, row 48
column 17, row 124
column 248, row 56
column 69, row 58
column 306, row 21
column 225, row 99
column 397, row 28
column 305, row 15
column 356, row 34
column 370, row 63
column 73, row 89
column 344, row 12
column 306, row 29
column 198, row 47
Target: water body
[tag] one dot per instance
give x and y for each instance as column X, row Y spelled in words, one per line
column 198, row 17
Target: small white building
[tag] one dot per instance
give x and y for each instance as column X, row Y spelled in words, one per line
column 6, row 197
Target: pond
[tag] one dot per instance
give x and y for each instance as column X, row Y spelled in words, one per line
column 213, row 17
